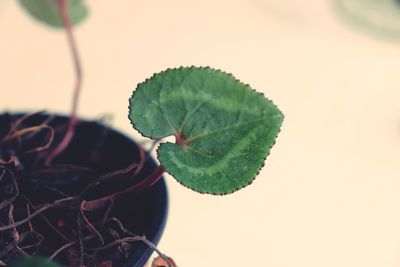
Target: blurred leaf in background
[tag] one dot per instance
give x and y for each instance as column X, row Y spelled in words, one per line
column 380, row 18
column 35, row 262
column 48, row 11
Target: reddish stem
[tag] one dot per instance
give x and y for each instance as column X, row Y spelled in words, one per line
column 180, row 140
column 147, row 182
column 63, row 7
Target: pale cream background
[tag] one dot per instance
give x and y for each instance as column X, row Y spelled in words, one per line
column 329, row 194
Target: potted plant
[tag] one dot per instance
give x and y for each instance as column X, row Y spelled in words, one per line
column 76, row 193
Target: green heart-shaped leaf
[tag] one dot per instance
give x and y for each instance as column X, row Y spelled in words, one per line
column 47, row 11
column 35, row 262
column 224, row 129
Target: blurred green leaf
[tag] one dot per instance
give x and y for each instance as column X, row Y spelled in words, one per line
column 379, row 18
column 35, row 262
column 47, row 11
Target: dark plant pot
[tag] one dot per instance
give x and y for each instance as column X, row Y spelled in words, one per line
column 103, row 149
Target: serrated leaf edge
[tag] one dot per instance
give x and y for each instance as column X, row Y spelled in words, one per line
column 237, row 80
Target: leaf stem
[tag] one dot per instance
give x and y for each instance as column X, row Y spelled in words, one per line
column 63, row 8
column 147, row 182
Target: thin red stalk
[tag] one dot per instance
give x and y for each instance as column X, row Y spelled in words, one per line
column 148, row 182
column 78, row 84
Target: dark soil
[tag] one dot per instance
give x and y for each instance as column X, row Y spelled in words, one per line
column 42, row 207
